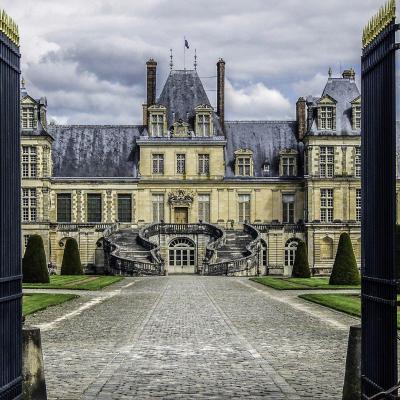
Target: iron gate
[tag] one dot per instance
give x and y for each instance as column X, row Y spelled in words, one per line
column 10, row 237
column 379, row 306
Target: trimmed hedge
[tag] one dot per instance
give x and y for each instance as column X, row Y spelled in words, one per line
column 34, row 267
column 345, row 270
column 301, row 268
column 71, row 263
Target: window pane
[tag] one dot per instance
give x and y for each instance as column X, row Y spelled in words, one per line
column 64, row 207
column 94, row 207
column 124, row 208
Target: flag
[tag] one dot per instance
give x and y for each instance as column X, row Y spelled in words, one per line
column 186, row 44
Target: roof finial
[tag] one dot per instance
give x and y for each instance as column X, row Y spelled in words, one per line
column 23, row 83
column 195, row 59
column 330, row 72
column 171, row 63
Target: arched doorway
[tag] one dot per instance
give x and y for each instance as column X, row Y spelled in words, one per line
column 290, row 254
column 181, row 256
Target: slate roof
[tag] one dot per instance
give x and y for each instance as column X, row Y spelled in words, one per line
column 182, row 93
column 265, row 138
column 95, row 151
column 344, row 91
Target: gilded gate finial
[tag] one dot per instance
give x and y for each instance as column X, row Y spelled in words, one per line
column 379, row 22
column 9, row 28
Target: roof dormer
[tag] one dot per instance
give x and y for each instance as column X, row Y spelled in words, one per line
column 356, row 113
column 203, row 120
column 326, row 107
column 157, row 120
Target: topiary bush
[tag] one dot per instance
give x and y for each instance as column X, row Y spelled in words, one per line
column 301, row 268
column 34, row 267
column 71, row 263
column 345, row 270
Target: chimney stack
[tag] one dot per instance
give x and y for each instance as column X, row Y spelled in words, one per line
column 221, row 91
column 301, row 118
column 349, row 74
column 151, row 83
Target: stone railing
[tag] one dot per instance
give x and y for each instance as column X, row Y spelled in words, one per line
column 290, row 228
column 75, row 227
column 248, row 264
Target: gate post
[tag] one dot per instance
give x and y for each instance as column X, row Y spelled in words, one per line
column 378, row 288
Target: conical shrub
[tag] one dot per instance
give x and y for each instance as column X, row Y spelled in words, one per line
column 345, row 270
column 34, row 267
column 71, row 263
column 301, row 268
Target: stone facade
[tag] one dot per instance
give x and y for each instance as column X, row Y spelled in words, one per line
column 293, row 180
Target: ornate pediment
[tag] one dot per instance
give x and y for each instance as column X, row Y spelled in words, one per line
column 181, row 198
column 181, row 129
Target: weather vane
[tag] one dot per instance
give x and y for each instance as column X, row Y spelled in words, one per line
column 171, row 63
column 195, row 59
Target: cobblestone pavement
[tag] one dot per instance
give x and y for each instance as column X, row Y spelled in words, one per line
column 192, row 337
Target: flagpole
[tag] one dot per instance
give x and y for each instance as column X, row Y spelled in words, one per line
column 184, row 53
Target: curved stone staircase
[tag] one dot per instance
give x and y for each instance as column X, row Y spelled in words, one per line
column 234, row 247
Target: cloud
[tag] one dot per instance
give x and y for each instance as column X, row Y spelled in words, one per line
column 94, row 51
column 256, row 102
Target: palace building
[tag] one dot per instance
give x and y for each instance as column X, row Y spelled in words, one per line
column 187, row 191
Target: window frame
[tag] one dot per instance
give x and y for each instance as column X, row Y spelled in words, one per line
column 68, row 209
column 358, row 205
column 157, row 124
column 326, row 161
column 29, row 158
column 288, row 208
column 158, row 164
column 158, row 207
column 124, row 212
column 204, row 207
column 326, row 205
column 357, row 162
column 203, row 125
column 29, row 205
column 90, row 212
column 244, row 202
column 181, row 163
column 204, row 164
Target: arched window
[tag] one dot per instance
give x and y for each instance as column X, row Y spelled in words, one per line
column 181, row 252
column 326, row 248
column 290, row 251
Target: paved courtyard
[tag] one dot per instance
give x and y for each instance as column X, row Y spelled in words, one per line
column 192, row 337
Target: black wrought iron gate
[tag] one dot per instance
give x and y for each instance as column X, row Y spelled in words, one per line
column 10, row 237
column 379, row 306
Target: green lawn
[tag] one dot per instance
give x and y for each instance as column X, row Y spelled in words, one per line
column 32, row 303
column 349, row 304
column 78, row 282
column 299, row 283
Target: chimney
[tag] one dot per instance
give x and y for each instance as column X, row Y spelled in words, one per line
column 301, row 118
column 349, row 74
column 221, row 92
column 151, row 83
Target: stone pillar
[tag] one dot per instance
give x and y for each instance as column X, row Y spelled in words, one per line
column 34, row 384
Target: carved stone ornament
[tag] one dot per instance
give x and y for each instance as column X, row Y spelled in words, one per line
column 181, row 198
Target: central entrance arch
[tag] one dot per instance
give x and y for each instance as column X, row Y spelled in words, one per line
column 182, row 256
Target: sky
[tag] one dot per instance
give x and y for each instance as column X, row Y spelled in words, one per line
column 88, row 56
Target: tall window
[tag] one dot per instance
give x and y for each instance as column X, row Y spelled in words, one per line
column 124, row 208
column 204, row 207
column 358, row 205
column 288, row 208
column 158, row 164
column 326, row 161
column 64, row 207
column 326, row 118
column 157, row 125
column 288, row 166
column 27, row 117
column 158, row 207
column 306, row 162
column 357, row 162
column 181, row 164
column 244, row 166
column 326, row 205
column 94, row 207
column 357, row 117
column 290, row 252
column 29, row 204
column 244, row 207
column 204, row 164
column 29, row 162
column 203, row 125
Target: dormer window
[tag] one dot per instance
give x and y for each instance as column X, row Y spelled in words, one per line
column 267, row 169
column 204, row 126
column 157, row 125
column 157, row 120
column 356, row 113
column 28, row 118
column 288, row 163
column 244, row 163
column 327, row 114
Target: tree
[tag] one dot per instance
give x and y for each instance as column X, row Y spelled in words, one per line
column 34, row 267
column 345, row 270
column 71, row 263
column 301, row 268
